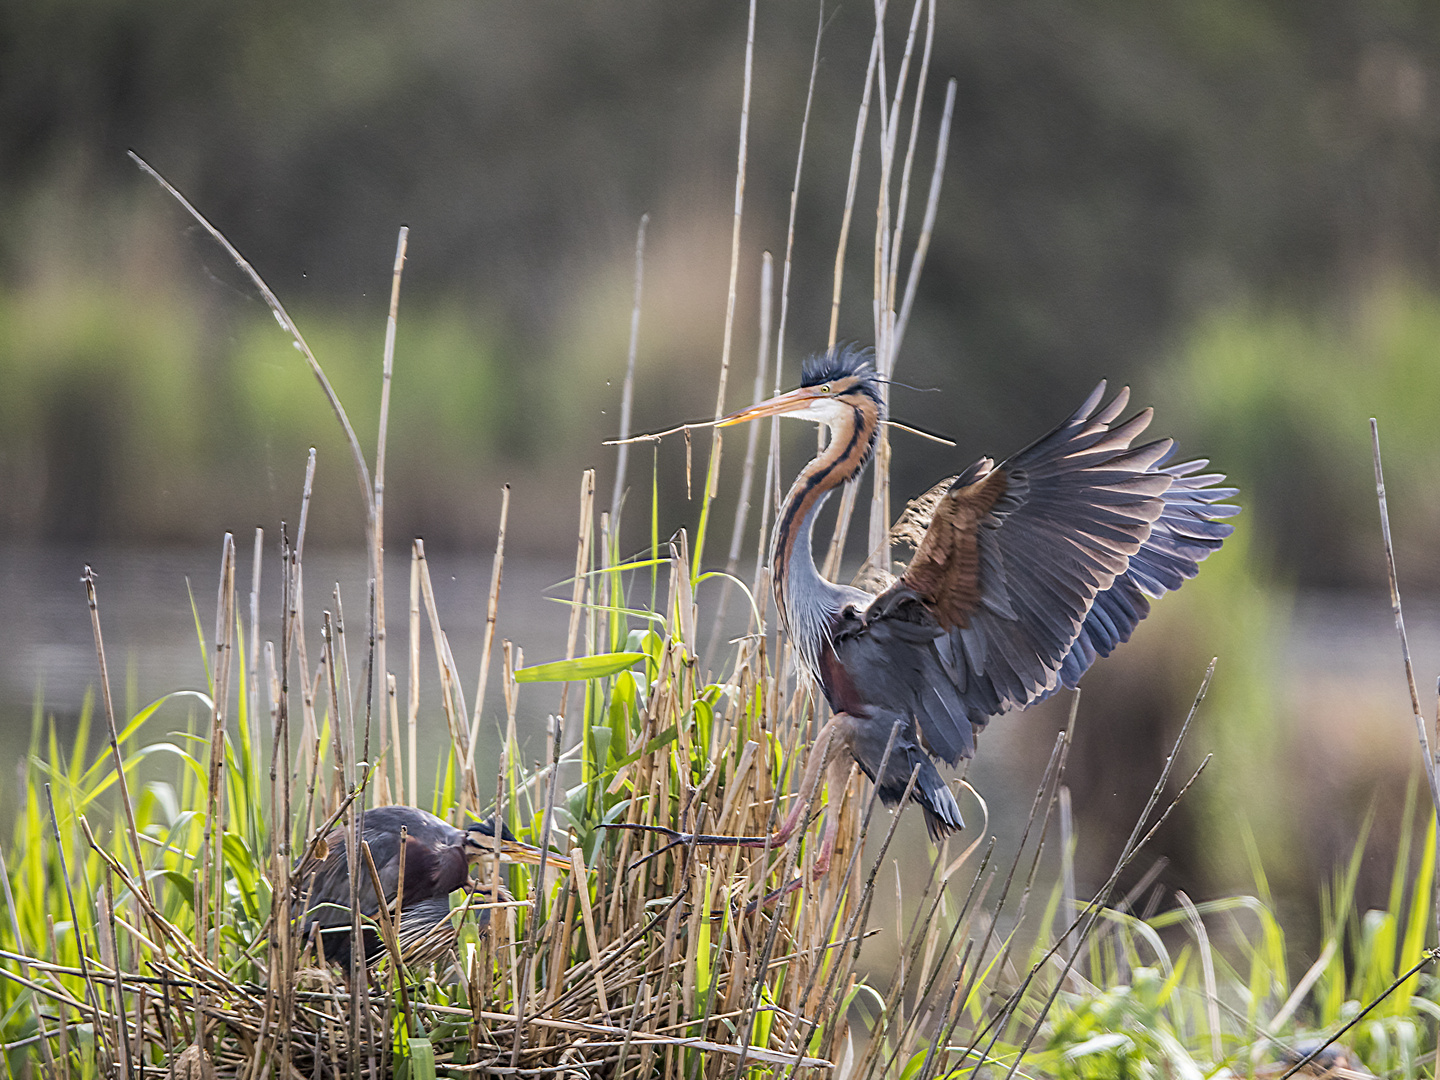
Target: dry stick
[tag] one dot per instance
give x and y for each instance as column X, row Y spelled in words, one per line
column 1431, row 955
column 582, row 579
column 582, row 891
column 213, row 836
column 393, row 705
column 847, row 497
column 377, row 550
column 309, row 732
column 770, row 497
column 388, row 928
column 712, row 472
column 450, row 693
column 921, row 82
column 497, row 570
column 122, row 783
column 627, row 393
column 888, row 238
column 742, row 506
column 412, row 707
column 282, row 945
column 358, row 969
column 1430, row 765
column 132, row 831
column 537, row 914
column 362, row 782
column 288, row 325
column 341, row 654
column 60, row 1012
column 927, row 228
column 861, row 119
column 275, row 943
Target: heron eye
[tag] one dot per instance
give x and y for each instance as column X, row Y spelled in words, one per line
column 825, row 389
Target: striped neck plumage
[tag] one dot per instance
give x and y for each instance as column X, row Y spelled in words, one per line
column 807, row 602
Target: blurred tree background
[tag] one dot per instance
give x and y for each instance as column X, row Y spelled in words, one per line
column 1231, row 204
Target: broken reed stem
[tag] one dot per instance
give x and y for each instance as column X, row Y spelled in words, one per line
column 132, row 832
column 412, row 697
column 379, row 660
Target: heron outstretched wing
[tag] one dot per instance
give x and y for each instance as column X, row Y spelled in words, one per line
column 1028, row 570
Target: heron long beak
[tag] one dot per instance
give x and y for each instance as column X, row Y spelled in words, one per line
column 511, row 851
column 795, row 401
column 516, row 852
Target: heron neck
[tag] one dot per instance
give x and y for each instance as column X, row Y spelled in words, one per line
column 805, row 599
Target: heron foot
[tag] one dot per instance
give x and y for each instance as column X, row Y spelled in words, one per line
column 678, row 838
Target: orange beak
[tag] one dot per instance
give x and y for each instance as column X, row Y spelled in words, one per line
column 795, row 401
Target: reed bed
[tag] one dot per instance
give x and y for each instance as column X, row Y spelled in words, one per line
column 154, row 884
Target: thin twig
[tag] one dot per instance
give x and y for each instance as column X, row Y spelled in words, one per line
column 288, row 325
column 627, row 393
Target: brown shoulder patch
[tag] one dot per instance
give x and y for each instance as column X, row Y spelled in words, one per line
column 945, row 572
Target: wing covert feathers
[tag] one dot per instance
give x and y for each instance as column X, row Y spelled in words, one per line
column 1026, row 571
column 946, row 567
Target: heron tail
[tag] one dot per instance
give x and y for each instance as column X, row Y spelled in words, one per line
column 867, row 738
column 942, row 812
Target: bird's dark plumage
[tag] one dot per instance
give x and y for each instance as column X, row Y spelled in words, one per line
column 437, row 862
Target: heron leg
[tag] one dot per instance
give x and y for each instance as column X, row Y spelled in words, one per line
column 822, row 751
column 837, row 779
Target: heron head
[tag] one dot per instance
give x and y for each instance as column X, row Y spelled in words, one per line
column 833, row 385
column 480, row 843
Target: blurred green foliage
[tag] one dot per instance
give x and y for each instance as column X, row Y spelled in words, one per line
column 129, row 415
column 1281, row 398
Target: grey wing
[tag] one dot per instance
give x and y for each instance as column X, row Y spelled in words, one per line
column 1185, row 533
column 1009, row 569
column 330, row 893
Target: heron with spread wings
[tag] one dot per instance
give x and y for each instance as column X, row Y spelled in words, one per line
column 1024, row 574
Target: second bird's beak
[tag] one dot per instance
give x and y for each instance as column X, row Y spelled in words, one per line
column 511, row 851
column 796, row 401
